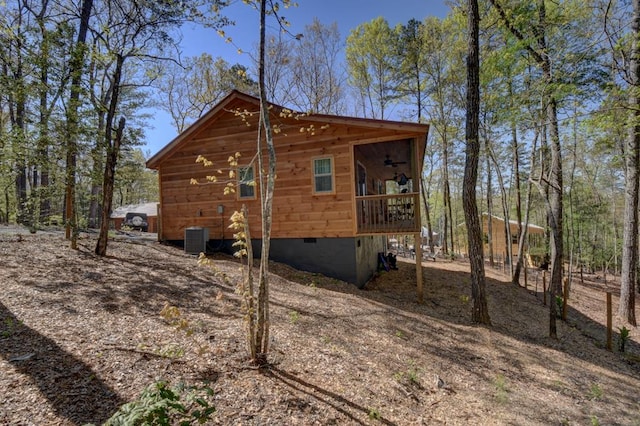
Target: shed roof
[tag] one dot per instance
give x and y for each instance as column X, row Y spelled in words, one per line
column 150, row 209
column 531, row 227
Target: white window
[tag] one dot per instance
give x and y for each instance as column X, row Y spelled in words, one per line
column 246, row 182
column 323, row 175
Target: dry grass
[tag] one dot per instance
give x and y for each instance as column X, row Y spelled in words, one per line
column 91, row 332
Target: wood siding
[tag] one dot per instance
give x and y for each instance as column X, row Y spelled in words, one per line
column 535, row 235
column 297, row 212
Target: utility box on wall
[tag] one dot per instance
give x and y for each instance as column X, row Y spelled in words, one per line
column 195, row 240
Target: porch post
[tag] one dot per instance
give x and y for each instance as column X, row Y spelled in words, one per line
column 417, row 245
column 416, row 172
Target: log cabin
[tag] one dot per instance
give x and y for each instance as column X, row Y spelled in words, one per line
column 343, row 184
column 534, row 241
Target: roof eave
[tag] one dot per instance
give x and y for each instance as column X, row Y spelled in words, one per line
column 155, row 161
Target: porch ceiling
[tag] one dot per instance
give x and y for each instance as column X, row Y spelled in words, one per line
column 373, row 156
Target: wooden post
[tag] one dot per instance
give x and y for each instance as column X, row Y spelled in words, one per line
column 159, row 222
column 609, row 321
column 544, row 288
column 565, row 299
column 526, row 275
column 417, row 244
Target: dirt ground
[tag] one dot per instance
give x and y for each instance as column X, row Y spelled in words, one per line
column 81, row 335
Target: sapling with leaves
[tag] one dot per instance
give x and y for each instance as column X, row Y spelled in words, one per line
column 172, row 315
column 257, row 305
column 252, row 307
column 623, row 338
column 240, row 226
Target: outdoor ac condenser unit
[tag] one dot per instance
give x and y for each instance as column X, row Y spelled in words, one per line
column 195, row 240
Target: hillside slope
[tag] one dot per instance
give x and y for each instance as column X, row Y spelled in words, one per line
column 80, row 335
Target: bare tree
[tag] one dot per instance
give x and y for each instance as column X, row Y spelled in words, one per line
column 277, row 69
column 190, row 89
column 317, row 80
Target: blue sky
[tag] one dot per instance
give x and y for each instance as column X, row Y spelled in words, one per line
column 348, row 14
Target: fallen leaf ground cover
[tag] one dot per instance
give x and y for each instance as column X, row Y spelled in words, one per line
column 80, row 335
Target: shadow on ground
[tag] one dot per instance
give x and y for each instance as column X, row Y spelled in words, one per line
column 72, row 388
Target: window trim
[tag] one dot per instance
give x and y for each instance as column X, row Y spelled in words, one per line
column 240, row 184
column 313, row 175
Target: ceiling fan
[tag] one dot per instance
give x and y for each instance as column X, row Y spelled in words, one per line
column 388, row 162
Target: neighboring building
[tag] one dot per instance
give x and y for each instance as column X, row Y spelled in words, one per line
column 434, row 235
column 333, row 204
column 535, row 236
column 150, row 209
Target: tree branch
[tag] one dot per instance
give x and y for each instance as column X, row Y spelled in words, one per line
column 516, row 33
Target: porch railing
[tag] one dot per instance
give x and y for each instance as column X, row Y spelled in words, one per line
column 380, row 214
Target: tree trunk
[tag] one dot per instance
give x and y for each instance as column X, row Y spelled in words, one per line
column 6, row 204
column 44, row 207
column 95, row 206
column 626, row 309
column 97, row 179
column 515, row 277
column 42, row 202
column 489, row 210
column 97, row 155
column 449, row 215
column 480, row 313
column 75, row 68
column 425, row 201
column 18, row 115
column 446, row 196
column 505, row 211
column 248, row 283
column 22, row 210
column 553, row 189
column 555, row 176
column 107, row 189
column 571, row 231
column 523, row 236
column 266, row 196
column 113, row 151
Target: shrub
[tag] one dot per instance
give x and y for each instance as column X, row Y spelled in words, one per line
column 161, row 405
column 502, row 388
column 623, row 339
